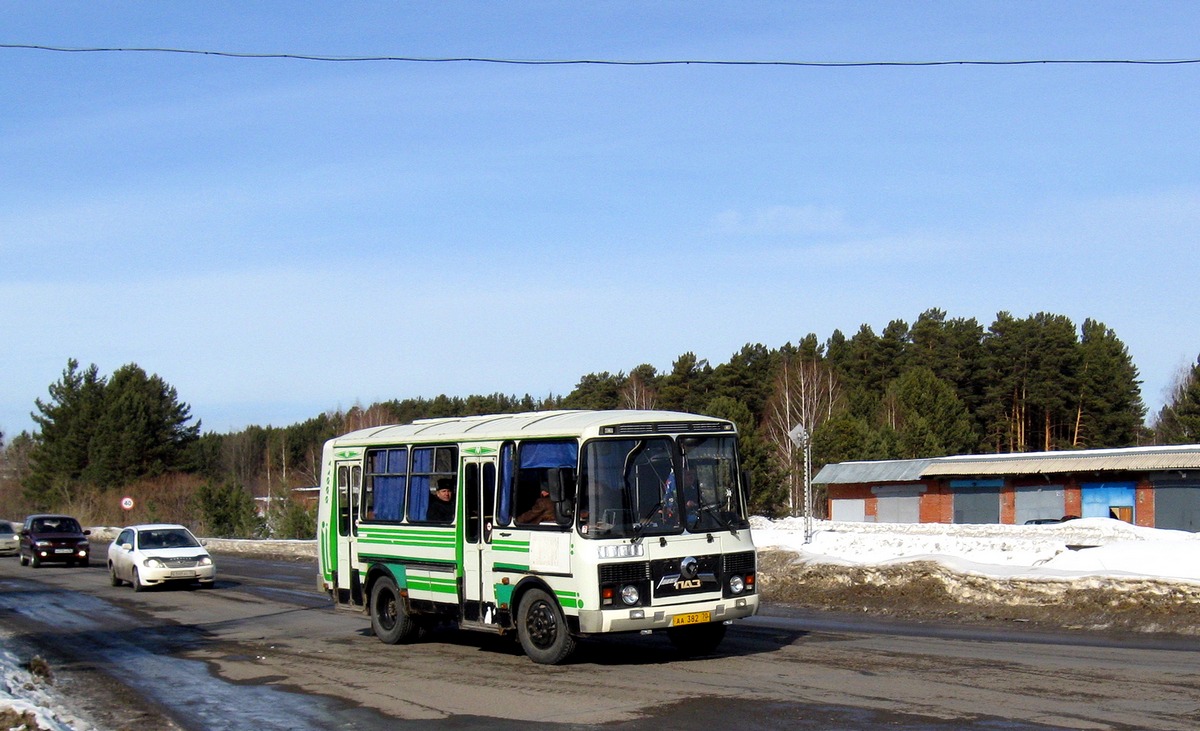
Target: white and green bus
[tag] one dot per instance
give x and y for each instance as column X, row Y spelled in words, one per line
column 559, row 525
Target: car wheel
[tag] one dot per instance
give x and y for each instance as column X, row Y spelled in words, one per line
column 543, row 630
column 24, row 560
column 35, row 561
column 85, row 563
column 112, row 574
column 136, row 581
column 389, row 617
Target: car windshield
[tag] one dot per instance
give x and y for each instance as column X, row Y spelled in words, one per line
column 56, row 525
column 636, row 487
column 165, row 538
column 6, row 530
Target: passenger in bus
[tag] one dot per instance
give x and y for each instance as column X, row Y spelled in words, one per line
column 541, row 511
column 441, row 507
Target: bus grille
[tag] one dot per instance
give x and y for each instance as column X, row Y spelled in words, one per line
column 611, row 573
column 738, row 563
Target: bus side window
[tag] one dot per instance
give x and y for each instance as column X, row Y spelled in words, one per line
column 430, row 465
column 343, row 486
column 545, row 483
column 383, row 492
column 504, row 509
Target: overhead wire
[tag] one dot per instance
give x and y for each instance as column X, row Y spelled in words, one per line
column 601, row 61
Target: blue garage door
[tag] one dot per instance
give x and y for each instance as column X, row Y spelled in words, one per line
column 1108, row 500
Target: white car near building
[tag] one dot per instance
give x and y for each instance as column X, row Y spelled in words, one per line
column 159, row 553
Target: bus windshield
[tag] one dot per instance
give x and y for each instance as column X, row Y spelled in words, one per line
column 631, row 488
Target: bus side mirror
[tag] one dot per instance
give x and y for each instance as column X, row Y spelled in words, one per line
column 554, row 484
column 746, row 484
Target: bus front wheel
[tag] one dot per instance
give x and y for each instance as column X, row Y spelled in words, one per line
column 543, row 630
column 389, row 618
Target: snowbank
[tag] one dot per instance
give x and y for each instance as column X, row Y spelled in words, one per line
column 1076, row 548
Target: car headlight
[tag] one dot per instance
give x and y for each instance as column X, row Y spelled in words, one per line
column 154, row 563
column 43, row 544
column 629, row 594
column 737, row 584
column 204, row 561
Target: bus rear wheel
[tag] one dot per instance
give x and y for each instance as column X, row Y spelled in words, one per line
column 543, row 630
column 698, row 639
column 389, row 618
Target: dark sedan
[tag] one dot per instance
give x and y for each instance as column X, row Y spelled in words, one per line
column 53, row 539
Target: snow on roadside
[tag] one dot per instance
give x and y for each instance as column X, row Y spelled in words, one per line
column 1077, row 548
column 22, row 693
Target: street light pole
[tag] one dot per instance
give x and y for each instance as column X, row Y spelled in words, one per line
column 800, row 437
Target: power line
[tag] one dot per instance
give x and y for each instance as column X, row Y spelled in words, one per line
column 608, row 62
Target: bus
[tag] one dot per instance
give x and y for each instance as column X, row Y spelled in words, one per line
column 550, row 526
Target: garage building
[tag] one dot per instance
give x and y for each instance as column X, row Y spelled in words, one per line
column 1156, row 487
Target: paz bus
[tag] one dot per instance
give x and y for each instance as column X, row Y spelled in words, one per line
column 549, row 525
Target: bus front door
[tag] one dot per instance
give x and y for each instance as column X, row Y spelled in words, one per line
column 479, row 490
column 349, row 482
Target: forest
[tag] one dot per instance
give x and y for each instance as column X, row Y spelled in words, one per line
column 937, row 387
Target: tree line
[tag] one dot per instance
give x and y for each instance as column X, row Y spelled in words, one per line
column 936, row 387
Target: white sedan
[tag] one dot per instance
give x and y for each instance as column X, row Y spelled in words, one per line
column 149, row 555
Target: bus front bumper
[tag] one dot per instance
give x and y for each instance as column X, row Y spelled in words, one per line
column 637, row 619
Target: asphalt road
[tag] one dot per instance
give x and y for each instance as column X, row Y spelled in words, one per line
column 263, row 650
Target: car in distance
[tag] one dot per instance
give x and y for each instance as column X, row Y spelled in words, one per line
column 9, row 543
column 159, row 553
column 47, row 538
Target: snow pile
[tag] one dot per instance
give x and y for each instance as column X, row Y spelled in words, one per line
column 24, row 697
column 1076, row 548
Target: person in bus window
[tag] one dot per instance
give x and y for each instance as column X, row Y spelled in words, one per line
column 441, row 507
column 541, row 511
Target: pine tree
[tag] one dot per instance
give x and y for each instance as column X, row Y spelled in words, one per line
column 1179, row 420
column 142, row 430
column 66, row 424
column 927, row 416
column 1110, row 411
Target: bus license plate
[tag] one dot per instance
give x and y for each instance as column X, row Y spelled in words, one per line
column 693, row 618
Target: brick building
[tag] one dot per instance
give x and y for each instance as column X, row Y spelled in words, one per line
column 1157, row 487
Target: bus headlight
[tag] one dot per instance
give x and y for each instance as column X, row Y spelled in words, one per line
column 736, row 584
column 629, row 594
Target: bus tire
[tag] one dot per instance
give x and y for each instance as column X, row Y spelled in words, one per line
column 389, row 617
column 698, row 639
column 543, row 630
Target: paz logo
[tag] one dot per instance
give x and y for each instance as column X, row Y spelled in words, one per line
column 479, row 451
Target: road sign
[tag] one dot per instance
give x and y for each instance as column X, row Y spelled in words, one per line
column 127, row 503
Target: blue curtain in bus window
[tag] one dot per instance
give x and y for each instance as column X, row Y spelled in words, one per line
column 397, row 461
column 379, row 462
column 549, row 454
column 418, row 488
column 504, row 511
column 389, row 497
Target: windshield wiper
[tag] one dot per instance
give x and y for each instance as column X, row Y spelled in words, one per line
column 639, row 526
column 715, row 512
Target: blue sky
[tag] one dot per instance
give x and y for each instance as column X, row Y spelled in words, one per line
column 278, row 238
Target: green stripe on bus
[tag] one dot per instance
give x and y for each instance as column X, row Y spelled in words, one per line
column 383, row 558
column 569, row 599
column 510, row 567
column 436, row 586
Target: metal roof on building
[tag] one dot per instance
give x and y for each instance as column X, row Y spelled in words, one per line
column 853, row 473
column 1131, row 459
